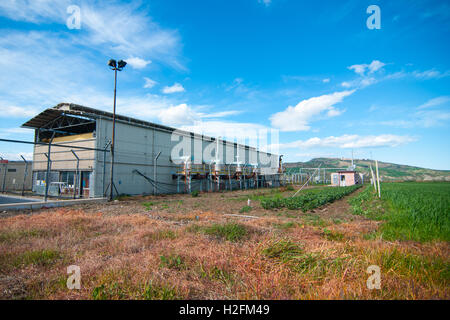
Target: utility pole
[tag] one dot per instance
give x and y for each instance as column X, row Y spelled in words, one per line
column 378, row 179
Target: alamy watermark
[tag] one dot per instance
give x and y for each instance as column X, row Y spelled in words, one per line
column 232, row 147
column 374, row 281
column 74, row 20
column 74, row 280
column 374, row 20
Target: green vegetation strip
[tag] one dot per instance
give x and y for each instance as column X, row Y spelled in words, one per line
column 308, row 200
column 412, row 211
column 228, row 231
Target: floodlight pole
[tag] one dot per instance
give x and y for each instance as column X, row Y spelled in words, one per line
column 111, row 186
column 116, row 66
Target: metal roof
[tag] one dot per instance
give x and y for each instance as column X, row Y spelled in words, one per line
column 50, row 114
column 67, row 109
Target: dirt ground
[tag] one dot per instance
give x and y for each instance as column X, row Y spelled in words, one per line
column 211, row 247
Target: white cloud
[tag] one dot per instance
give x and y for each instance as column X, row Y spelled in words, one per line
column 177, row 115
column 297, row 118
column 149, row 83
column 421, row 119
column 35, row 11
column 137, row 63
column 351, row 141
column 265, row 2
column 10, row 111
column 430, row 74
column 434, row 102
column 221, row 114
column 326, row 80
column 17, row 156
column 361, row 69
column 242, row 132
column 184, row 115
column 115, row 28
column 375, row 65
column 173, row 89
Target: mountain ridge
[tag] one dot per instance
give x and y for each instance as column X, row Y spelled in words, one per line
column 388, row 171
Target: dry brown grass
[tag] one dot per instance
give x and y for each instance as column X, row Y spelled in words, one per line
column 119, row 248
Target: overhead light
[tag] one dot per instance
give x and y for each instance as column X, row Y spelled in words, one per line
column 121, row 64
column 112, row 63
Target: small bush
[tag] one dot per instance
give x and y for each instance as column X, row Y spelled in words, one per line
column 11, row 236
column 245, row 209
column 148, row 205
column 39, row 257
column 153, row 292
column 161, row 235
column 286, row 225
column 124, row 291
column 173, row 262
column 293, row 256
column 333, row 235
column 283, row 250
column 229, row 231
column 217, row 274
column 195, row 193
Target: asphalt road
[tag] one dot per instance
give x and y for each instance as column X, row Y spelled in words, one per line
column 7, row 200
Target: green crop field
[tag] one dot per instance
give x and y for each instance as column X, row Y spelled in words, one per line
column 412, row 210
column 309, row 199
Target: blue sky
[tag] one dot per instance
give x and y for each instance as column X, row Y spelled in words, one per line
column 310, row 69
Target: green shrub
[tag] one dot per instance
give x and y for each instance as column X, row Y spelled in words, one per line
column 245, row 209
column 172, row 262
column 229, row 231
column 195, row 193
column 38, row 257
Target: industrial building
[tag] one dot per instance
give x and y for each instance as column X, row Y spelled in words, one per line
column 15, row 176
column 72, row 155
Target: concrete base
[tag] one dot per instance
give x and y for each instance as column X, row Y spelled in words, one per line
column 35, row 205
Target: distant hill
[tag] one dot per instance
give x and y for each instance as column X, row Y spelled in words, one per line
column 388, row 171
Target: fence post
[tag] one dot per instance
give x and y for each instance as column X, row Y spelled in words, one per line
column 24, row 175
column 4, row 175
column 47, row 175
column 75, row 181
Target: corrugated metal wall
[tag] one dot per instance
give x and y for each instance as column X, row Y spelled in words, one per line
column 136, row 148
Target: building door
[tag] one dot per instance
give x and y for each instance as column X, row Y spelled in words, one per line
column 84, row 188
column 343, row 180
